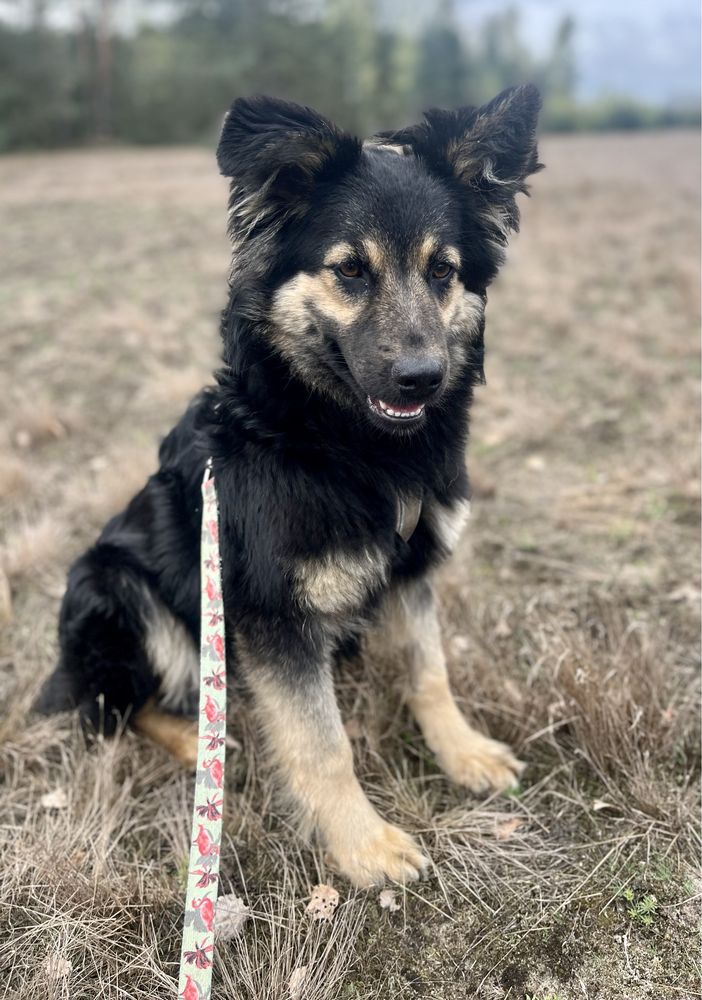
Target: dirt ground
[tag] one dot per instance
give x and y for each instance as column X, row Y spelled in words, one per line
column 571, row 611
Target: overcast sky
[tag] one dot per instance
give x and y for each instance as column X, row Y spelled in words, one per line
column 648, row 49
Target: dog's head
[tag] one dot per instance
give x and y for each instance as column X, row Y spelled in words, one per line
column 365, row 265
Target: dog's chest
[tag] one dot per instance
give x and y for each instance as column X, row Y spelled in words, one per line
column 434, row 538
column 343, row 581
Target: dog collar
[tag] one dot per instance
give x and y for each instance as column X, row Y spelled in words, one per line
column 409, row 510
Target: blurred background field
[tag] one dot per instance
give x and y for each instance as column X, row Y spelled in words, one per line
column 571, row 612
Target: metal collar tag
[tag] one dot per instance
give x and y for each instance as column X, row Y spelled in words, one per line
column 409, row 510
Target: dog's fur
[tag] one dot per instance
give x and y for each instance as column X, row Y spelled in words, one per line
column 359, row 274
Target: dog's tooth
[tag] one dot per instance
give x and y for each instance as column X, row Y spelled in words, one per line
column 389, row 411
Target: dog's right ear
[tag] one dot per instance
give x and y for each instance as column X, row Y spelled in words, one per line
column 277, row 151
column 489, row 151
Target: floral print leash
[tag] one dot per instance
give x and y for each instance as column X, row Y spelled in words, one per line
column 195, row 981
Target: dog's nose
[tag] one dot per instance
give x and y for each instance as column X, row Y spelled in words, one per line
column 418, row 377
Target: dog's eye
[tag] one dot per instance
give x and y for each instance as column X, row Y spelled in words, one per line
column 441, row 271
column 350, row 270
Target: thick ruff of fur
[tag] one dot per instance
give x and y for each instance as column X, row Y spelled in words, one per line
column 353, row 339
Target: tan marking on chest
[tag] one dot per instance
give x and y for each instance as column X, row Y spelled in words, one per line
column 339, row 582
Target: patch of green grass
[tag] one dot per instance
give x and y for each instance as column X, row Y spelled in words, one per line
column 656, row 507
column 641, row 909
column 182, row 872
column 663, row 872
column 622, row 530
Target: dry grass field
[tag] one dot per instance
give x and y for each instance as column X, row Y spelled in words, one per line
column 571, row 612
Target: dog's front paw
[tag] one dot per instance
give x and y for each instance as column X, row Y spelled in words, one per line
column 479, row 763
column 378, row 851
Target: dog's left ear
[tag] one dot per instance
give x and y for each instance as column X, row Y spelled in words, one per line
column 491, row 149
column 277, row 151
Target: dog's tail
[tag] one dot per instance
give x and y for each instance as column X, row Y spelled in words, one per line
column 104, row 670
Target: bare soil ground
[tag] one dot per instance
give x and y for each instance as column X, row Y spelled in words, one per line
column 571, row 611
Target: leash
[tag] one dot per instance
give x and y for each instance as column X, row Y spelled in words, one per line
column 196, row 956
column 197, row 949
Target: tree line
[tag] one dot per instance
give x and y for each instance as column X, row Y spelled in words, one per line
column 169, row 81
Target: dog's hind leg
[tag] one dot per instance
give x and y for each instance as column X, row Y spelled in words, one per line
column 312, row 756
column 120, row 646
column 104, row 669
column 410, row 633
column 174, row 733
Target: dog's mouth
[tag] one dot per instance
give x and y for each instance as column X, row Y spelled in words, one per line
column 390, row 415
column 395, row 413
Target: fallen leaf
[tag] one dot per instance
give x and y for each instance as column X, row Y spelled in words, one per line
column 56, row 967
column 506, row 829
column 230, row 916
column 482, row 487
column 387, row 900
column 5, row 598
column 323, row 904
column 297, row 981
column 686, row 593
column 513, row 691
column 54, row 800
column 43, row 430
column 460, row 644
column 353, row 729
column 22, row 439
column 503, row 629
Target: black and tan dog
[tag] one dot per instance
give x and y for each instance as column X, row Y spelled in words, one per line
column 353, row 338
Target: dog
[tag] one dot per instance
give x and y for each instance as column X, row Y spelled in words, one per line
column 353, row 340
